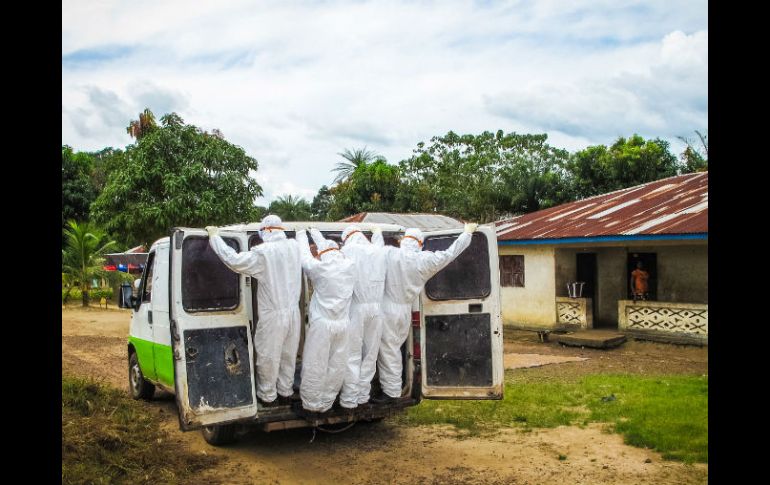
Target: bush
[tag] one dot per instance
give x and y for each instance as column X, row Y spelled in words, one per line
column 95, row 294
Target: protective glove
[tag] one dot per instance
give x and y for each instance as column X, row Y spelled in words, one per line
column 212, row 230
column 470, row 227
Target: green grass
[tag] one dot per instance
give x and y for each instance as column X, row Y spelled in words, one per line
column 109, row 438
column 666, row 413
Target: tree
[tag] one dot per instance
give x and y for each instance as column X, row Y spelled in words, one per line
column 104, row 162
column 143, row 126
column 76, row 187
column 695, row 159
column 354, row 159
column 319, row 208
column 371, row 187
column 628, row 162
column 83, row 255
column 176, row 175
column 483, row 177
column 290, row 208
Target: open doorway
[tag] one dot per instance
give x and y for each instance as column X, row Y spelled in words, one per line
column 646, row 262
column 586, row 272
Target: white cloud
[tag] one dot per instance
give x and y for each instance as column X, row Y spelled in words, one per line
column 294, row 83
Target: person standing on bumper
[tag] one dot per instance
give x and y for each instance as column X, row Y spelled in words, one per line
column 325, row 353
column 408, row 268
column 365, row 316
column 275, row 264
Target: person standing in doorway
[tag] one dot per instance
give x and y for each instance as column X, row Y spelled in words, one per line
column 639, row 285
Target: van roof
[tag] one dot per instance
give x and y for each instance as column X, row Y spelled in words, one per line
column 321, row 226
column 296, row 226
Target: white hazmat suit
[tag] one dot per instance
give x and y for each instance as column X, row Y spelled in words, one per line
column 275, row 264
column 365, row 316
column 325, row 353
column 408, row 268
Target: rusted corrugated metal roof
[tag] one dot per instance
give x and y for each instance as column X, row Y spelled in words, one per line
column 420, row 221
column 675, row 205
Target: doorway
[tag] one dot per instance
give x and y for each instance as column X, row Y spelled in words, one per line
column 586, row 272
column 650, row 265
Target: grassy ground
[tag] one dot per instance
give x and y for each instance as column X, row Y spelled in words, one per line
column 109, row 438
column 668, row 413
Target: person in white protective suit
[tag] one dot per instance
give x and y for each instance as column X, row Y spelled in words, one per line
column 409, row 267
column 325, row 353
column 365, row 316
column 275, row 264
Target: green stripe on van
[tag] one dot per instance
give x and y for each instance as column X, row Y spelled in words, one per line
column 145, row 355
column 155, row 360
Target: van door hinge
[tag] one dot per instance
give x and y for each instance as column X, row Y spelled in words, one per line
column 174, row 331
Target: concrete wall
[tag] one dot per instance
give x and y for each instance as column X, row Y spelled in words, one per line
column 533, row 306
column 683, row 274
column 566, row 269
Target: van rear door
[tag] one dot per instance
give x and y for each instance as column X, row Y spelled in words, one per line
column 211, row 341
column 461, row 331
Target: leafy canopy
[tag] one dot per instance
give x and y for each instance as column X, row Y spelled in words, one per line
column 177, row 175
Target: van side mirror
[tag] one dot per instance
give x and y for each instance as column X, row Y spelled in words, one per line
column 137, row 283
column 126, row 296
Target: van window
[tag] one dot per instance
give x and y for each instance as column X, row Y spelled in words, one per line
column 147, row 277
column 464, row 278
column 207, row 284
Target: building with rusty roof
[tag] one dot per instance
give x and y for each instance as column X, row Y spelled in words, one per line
column 574, row 265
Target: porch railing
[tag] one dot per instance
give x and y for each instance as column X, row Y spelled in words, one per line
column 574, row 312
column 690, row 320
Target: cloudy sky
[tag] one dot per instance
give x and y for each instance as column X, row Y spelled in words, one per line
column 296, row 82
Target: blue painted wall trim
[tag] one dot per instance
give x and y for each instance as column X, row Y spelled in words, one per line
column 580, row 240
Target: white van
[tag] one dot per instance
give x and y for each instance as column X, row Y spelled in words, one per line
column 193, row 322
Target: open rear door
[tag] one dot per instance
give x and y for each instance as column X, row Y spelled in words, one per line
column 461, row 331
column 210, row 333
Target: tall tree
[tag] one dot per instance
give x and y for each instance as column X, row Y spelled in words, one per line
column 319, row 208
column 104, row 162
column 695, row 156
column 353, row 159
column 83, row 255
column 371, row 187
column 628, row 162
column 176, row 175
column 77, row 191
column 483, row 177
column 143, row 126
column 290, row 208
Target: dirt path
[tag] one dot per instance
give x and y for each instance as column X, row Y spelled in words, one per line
column 94, row 343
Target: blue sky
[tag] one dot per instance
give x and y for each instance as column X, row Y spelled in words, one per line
column 294, row 83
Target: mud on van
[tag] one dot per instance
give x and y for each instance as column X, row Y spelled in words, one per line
column 193, row 322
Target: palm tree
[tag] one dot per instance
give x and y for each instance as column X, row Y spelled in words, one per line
column 290, row 208
column 83, row 255
column 355, row 158
column 142, row 126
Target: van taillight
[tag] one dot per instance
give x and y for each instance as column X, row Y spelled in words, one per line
column 416, row 335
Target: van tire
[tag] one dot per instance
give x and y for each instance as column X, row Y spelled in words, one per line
column 139, row 387
column 218, row 435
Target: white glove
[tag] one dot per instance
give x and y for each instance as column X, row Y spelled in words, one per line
column 470, row 227
column 212, row 230
column 376, row 229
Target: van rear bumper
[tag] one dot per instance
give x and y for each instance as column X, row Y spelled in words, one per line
column 286, row 418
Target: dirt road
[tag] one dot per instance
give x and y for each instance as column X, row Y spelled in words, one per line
column 94, row 343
